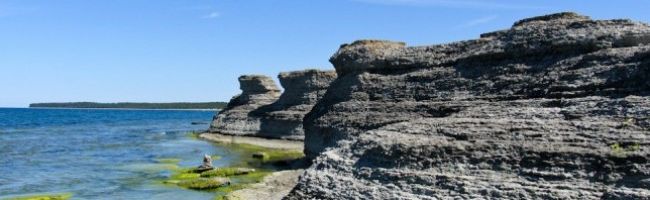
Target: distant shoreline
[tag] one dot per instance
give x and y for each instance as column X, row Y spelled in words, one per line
column 131, row 105
column 170, row 109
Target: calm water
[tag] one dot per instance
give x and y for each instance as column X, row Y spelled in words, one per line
column 99, row 154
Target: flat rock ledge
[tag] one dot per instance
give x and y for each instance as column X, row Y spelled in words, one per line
column 556, row 107
column 274, row 186
column 257, row 141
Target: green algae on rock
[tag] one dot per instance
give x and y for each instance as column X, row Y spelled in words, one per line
column 185, row 175
column 267, row 155
column 227, row 171
column 61, row 196
column 221, row 181
column 204, row 183
column 242, row 173
column 236, row 174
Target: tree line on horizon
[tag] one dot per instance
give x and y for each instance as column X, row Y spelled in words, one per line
column 176, row 105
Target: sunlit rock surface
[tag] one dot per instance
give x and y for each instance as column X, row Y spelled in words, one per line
column 269, row 116
column 556, row 107
column 302, row 89
column 236, row 118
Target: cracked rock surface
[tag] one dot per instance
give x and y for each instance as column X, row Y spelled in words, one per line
column 556, row 107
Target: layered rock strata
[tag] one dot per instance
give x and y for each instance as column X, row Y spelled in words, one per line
column 302, row 90
column 236, row 118
column 556, row 107
column 259, row 112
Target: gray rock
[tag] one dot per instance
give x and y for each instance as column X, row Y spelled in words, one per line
column 235, row 119
column 302, row 90
column 258, row 111
column 206, row 165
column 554, row 108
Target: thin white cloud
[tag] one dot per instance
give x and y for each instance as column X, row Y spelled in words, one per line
column 477, row 21
column 212, row 15
column 452, row 3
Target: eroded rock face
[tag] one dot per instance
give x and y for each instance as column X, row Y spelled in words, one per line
column 258, row 111
column 302, row 89
column 236, row 118
column 557, row 107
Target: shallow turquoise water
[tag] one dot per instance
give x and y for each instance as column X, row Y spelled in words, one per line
column 100, row 154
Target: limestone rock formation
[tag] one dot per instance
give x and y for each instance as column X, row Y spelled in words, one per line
column 302, row 90
column 556, row 107
column 258, row 111
column 236, row 118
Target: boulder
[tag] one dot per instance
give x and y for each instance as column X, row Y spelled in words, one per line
column 556, row 107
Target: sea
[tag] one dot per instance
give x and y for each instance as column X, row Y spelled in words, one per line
column 101, row 153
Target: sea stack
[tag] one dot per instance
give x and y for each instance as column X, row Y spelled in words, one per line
column 302, row 90
column 555, row 107
column 236, row 118
column 259, row 112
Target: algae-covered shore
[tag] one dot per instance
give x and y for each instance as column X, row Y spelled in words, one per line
column 260, row 168
column 59, row 196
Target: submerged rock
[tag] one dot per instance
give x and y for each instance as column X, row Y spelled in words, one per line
column 236, row 118
column 273, row 116
column 555, row 107
column 63, row 196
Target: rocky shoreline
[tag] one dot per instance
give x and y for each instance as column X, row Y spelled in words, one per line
column 556, row 107
column 260, row 167
column 274, row 185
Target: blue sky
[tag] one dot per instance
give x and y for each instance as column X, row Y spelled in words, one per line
column 194, row 50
